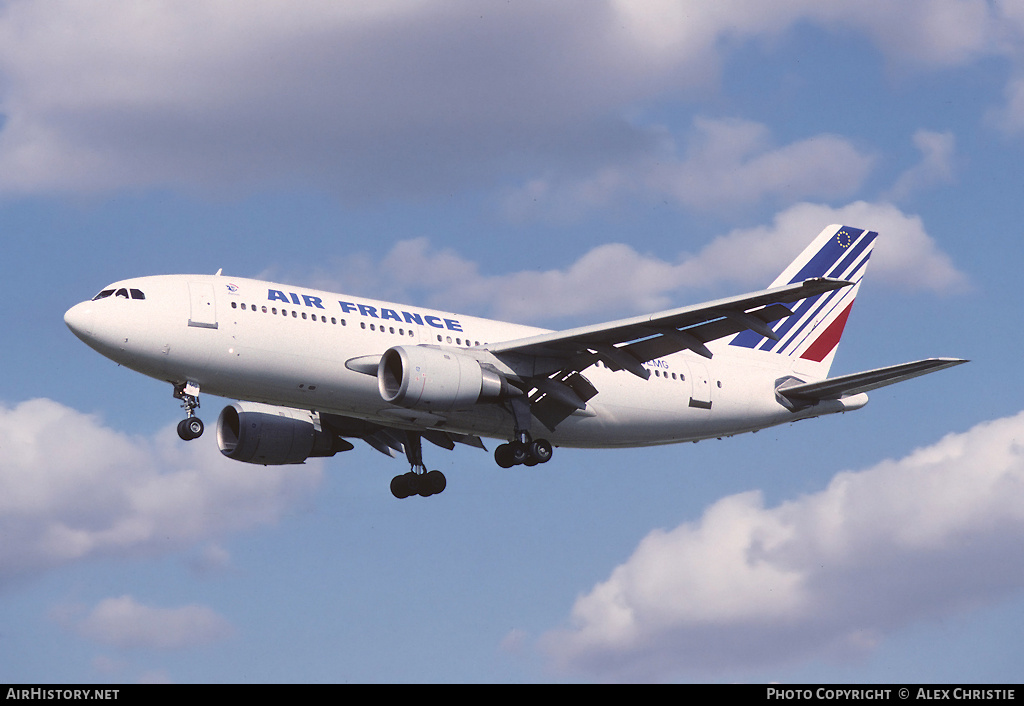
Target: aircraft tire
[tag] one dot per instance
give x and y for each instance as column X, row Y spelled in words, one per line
column 431, row 483
column 191, row 428
column 540, row 450
column 520, row 452
column 400, row 486
column 503, row 456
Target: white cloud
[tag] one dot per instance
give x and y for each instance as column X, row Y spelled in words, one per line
column 726, row 163
column 211, row 559
column 733, row 161
column 127, row 624
column 830, row 573
column 615, row 279
column 936, row 165
column 905, row 256
column 405, row 93
column 396, row 97
column 72, row 489
column 917, row 32
column 1010, row 116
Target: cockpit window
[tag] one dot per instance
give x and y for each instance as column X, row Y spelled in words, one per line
column 122, row 292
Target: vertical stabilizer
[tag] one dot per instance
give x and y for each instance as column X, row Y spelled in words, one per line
column 811, row 335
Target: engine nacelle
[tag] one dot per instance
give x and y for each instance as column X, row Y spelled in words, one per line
column 271, row 436
column 425, row 378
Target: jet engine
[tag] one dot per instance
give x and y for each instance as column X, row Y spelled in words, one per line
column 273, row 436
column 425, row 378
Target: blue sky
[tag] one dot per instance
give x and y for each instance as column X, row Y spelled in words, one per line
column 549, row 163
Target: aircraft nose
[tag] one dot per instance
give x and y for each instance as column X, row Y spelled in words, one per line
column 79, row 319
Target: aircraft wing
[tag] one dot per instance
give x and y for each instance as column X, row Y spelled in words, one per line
column 627, row 344
column 846, row 385
column 558, row 389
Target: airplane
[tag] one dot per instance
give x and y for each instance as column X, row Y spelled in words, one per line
column 312, row 369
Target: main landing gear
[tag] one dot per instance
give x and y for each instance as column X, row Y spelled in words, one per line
column 418, row 481
column 523, row 449
column 191, row 427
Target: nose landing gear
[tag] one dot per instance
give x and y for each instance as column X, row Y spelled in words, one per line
column 191, row 427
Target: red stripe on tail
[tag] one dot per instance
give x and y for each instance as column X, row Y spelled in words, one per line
column 828, row 339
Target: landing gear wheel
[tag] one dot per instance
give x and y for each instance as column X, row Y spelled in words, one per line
column 431, row 483
column 422, row 484
column 418, row 481
column 519, row 452
column 401, row 487
column 503, row 456
column 191, row 428
column 527, row 453
column 540, row 451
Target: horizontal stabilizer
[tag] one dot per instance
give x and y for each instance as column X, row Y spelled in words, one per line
column 846, row 385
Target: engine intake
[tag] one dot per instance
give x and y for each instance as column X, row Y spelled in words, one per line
column 272, row 436
column 425, row 378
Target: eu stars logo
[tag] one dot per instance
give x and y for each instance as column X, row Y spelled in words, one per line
column 844, row 238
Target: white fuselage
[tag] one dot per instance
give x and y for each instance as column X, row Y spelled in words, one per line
column 288, row 346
